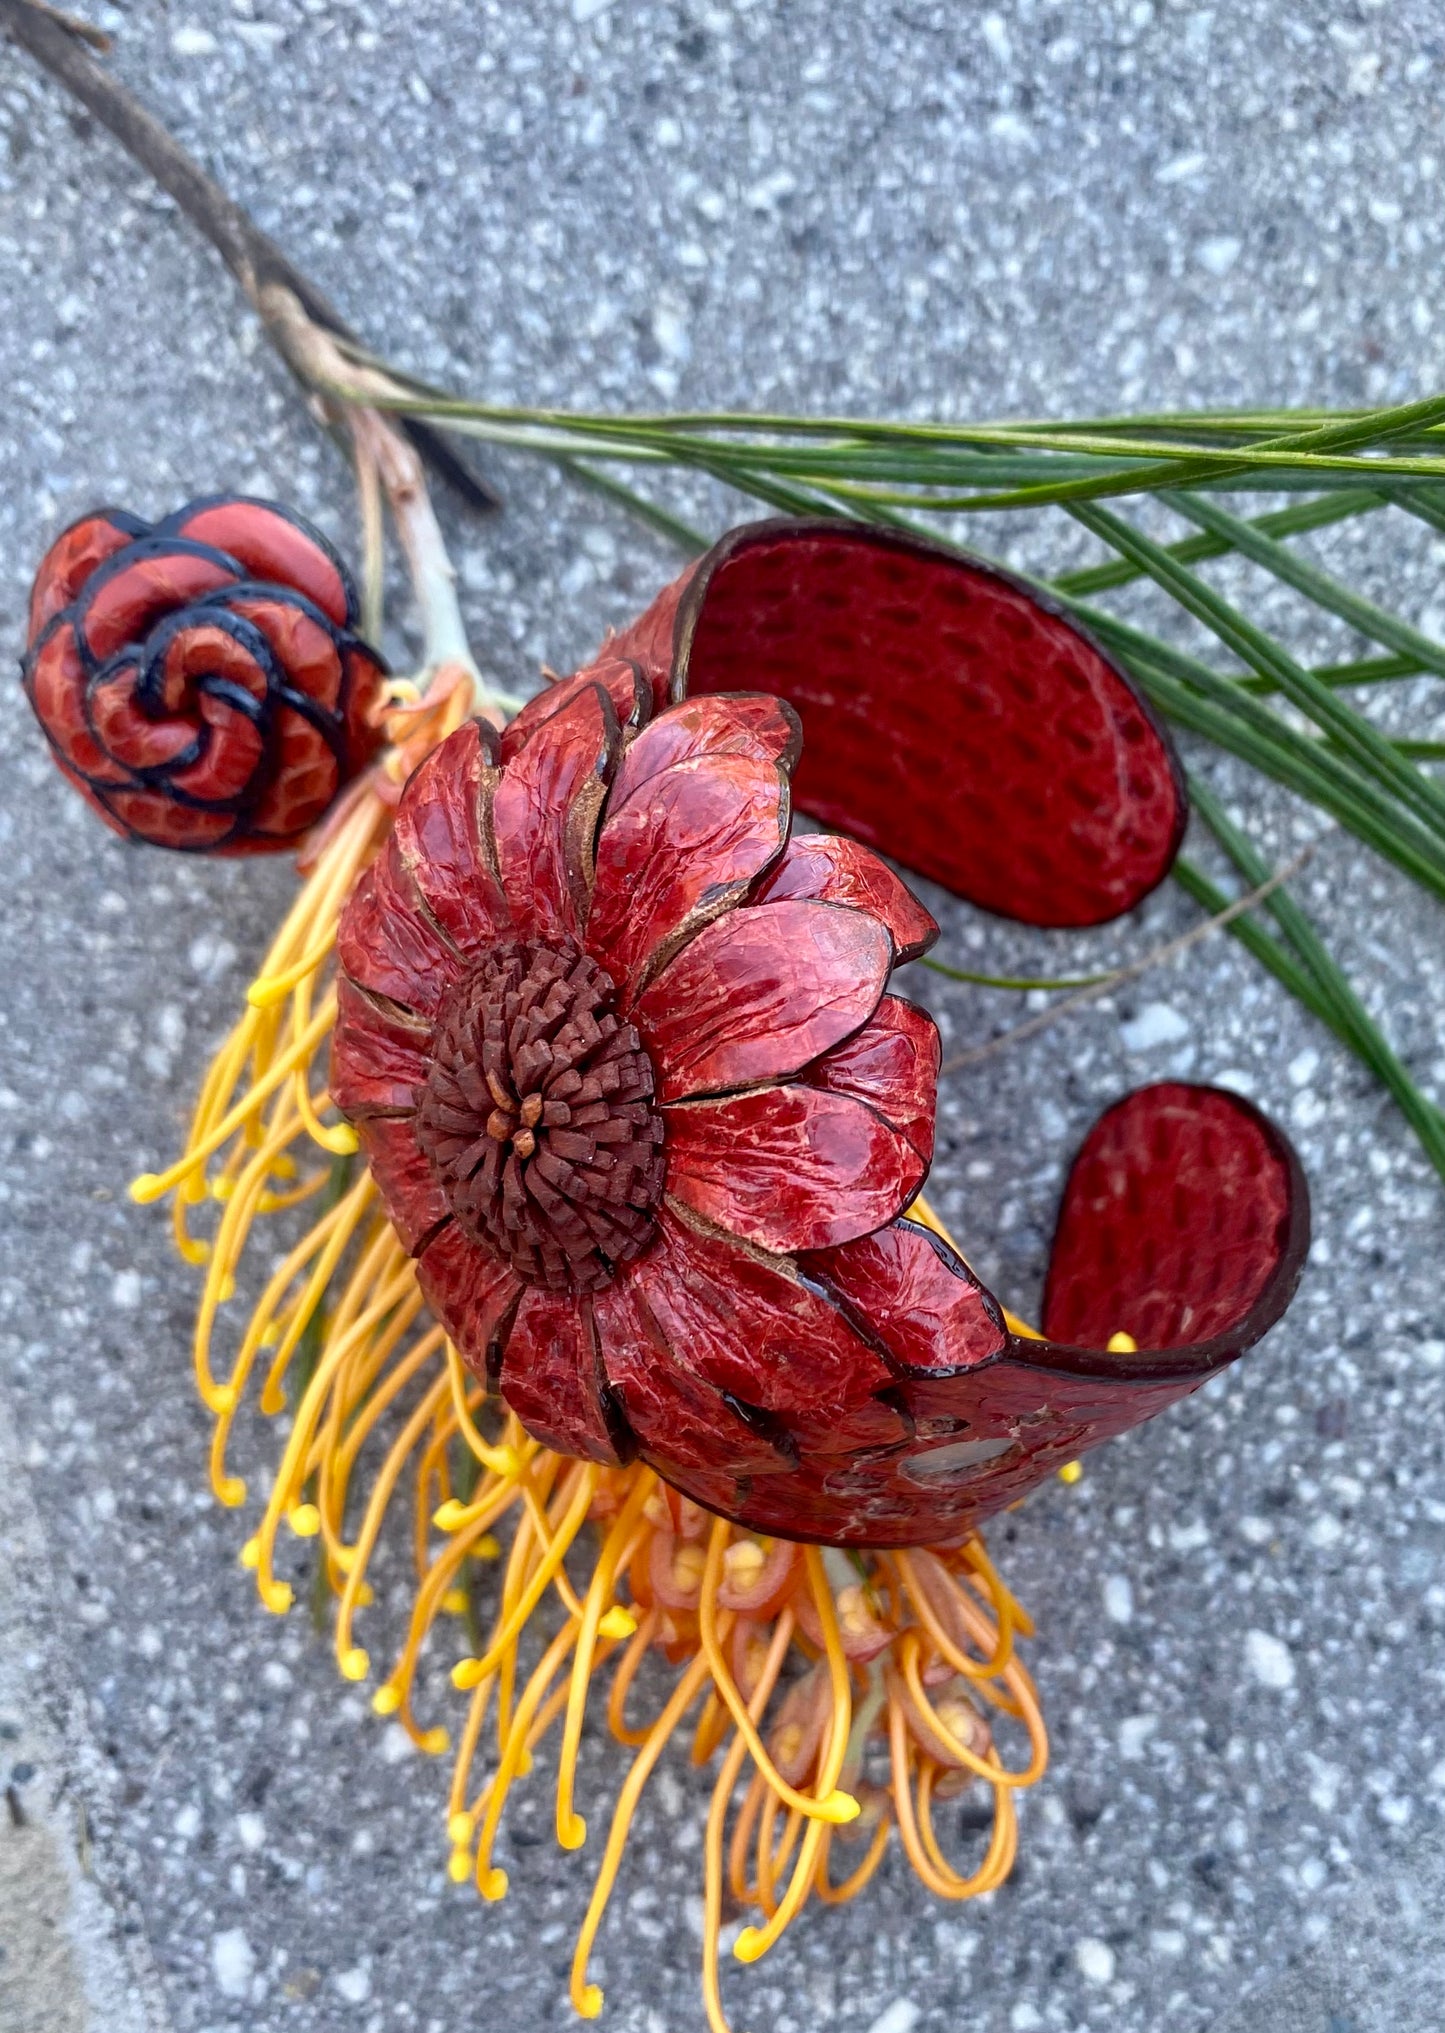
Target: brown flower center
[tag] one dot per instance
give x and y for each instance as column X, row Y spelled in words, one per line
column 538, row 1118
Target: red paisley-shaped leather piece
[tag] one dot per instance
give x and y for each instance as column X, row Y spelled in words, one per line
column 789, row 1167
column 443, row 837
column 892, row 1065
column 1177, row 1215
column 759, row 993
column 198, row 681
column 677, row 853
column 952, row 716
column 836, row 870
column 553, row 1380
column 630, row 694
column 544, row 817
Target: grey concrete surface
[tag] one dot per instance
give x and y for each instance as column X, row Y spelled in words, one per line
column 914, row 208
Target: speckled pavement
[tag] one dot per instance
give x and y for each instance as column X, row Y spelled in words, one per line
column 911, row 209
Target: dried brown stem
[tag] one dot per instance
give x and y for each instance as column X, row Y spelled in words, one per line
column 271, row 282
column 1170, row 950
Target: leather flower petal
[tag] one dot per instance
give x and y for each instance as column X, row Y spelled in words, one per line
column 628, row 690
column 379, row 1054
column 544, row 817
column 553, row 1379
column 791, row 1167
column 747, row 723
column 389, row 943
column 676, row 854
column 474, row 1294
column 892, row 1065
column 837, row 870
column 443, row 838
column 759, row 993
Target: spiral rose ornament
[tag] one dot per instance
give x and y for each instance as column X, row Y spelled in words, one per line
column 199, row 679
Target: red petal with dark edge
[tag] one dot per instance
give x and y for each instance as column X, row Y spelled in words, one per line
column 443, row 828
column 472, row 1293
column 678, row 853
column 415, row 1203
column 837, row 870
column 952, row 716
column 124, row 601
column 379, row 1055
column 1178, row 1213
column 929, row 1313
column 750, row 724
column 544, row 816
column 789, row 1167
column 772, row 1342
column 757, row 995
column 71, row 559
column 631, row 700
column 274, row 544
column 552, row 1378
column 676, row 1417
column 892, row 1064
column 386, row 942
column 648, row 641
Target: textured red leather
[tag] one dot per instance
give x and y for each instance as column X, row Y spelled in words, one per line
column 953, row 716
column 199, row 680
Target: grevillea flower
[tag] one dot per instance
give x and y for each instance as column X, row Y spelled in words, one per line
column 199, row 679
column 624, row 1063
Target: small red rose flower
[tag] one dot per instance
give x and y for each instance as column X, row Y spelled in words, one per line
column 635, row 1094
column 199, row 681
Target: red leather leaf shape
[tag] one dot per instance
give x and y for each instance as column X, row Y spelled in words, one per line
column 761, row 992
column 1183, row 1211
column 379, row 1055
column 952, row 716
column 677, row 1418
column 892, row 1064
column 789, row 1168
column 544, row 816
column 677, row 854
column 649, row 640
column 387, row 943
column 837, row 870
column 443, row 837
column 473, row 1294
column 749, row 724
column 75, row 554
column 624, row 685
column 928, row 1313
column 414, row 1202
column 769, row 1340
column 553, row 1380
column 274, row 544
